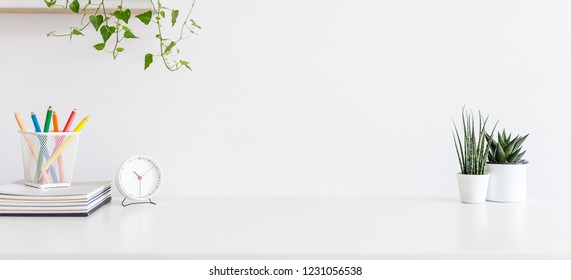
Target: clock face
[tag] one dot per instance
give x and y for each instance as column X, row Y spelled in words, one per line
column 139, row 178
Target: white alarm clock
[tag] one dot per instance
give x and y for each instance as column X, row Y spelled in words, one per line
column 139, row 178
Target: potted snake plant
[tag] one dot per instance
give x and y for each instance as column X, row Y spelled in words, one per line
column 507, row 168
column 472, row 151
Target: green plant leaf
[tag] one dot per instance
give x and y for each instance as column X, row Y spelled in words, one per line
column 50, row 3
column 491, row 155
column 170, row 46
column 518, row 158
column 99, row 46
column 162, row 13
column 74, row 6
column 502, row 139
column 520, row 141
column 500, row 155
column 96, row 21
column 512, row 158
column 129, row 35
column 174, row 16
column 148, row 60
column 106, row 32
column 185, row 64
column 122, row 15
column 193, row 23
column 76, row 32
column 125, row 28
column 120, row 49
column 118, row 14
column 509, row 148
column 145, row 17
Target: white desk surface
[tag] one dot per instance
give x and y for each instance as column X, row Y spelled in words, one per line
column 291, row 228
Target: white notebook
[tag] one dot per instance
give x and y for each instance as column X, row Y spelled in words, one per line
column 80, row 191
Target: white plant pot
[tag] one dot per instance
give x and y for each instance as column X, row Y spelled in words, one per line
column 508, row 182
column 473, row 188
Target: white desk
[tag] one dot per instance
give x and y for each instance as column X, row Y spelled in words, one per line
column 280, row 228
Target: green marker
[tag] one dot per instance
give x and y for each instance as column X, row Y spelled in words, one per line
column 48, row 120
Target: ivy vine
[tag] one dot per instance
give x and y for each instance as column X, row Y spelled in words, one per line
column 112, row 25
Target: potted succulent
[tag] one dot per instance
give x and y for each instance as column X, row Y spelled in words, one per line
column 507, row 168
column 472, row 151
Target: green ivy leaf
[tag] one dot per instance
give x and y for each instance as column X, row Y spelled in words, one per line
column 194, row 24
column 148, row 60
column 127, row 15
column 76, row 32
column 120, row 49
column 129, row 35
column 163, row 15
column 96, row 21
column 174, row 16
column 123, row 15
column 118, row 14
column 145, row 17
column 169, row 47
column 125, row 28
column 99, row 46
column 106, row 32
column 74, row 6
column 185, row 64
column 50, row 3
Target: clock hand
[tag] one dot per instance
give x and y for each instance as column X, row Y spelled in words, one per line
column 147, row 171
column 140, row 186
column 139, row 177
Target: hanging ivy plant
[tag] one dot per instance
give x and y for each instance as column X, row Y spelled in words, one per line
column 111, row 23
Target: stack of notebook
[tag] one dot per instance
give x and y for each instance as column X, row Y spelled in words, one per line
column 80, row 199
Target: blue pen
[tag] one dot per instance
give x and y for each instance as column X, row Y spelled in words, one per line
column 43, row 152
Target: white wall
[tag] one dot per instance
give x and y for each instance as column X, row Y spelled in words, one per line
column 305, row 98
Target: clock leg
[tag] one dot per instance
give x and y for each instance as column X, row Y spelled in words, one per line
column 132, row 203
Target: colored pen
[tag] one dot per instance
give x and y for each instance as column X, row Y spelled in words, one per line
column 36, row 123
column 70, row 120
column 48, row 120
